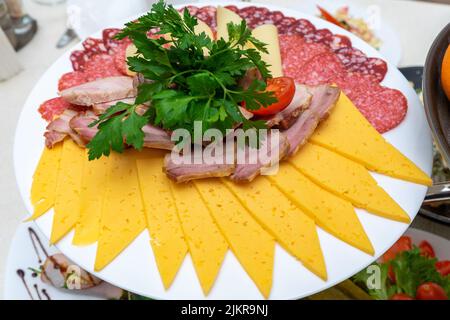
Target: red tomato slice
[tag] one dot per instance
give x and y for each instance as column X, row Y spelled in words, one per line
column 426, row 249
column 401, row 296
column 284, row 90
column 402, row 244
column 430, row 291
column 443, row 267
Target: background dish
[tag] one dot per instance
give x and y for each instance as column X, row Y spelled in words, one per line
column 135, row 269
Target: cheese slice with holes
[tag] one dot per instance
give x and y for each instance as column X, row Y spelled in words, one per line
column 206, row 243
column 347, row 132
column 252, row 245
column 293, row 229
column 225, row 16
column 68, row 190
column 44, row 181
column 166, row 236
column 93, row 188
column 123, row 217
column 268, row 34
column 331, row 213
column 347, row 179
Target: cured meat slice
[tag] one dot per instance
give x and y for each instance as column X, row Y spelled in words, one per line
column 101, row 66
column 339, row 41
column 71, row 79
column 120, row 58
column 208, row 15
column 299, row 26
column 356, row 61
column 78, row 59
column 295, row 52
column 275, row 16
column 93, row 46
column 254, row 16
column 192, row 10
column 320, row 36
column 383, row 107
column 321, row 69
column 108, row 38
column 52, row 108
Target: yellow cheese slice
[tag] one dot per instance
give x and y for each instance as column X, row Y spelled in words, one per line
column 44, row 181
column 163, row 224
column 68, row 190
column 347, row 132
column 123, row 217
column 268, row 34
column 93, row 188
column 347, row 179
column 293, row 229
column 250, row 243
column 206, row 243
column 203, row 27
column 331, row 213
column 225, row 16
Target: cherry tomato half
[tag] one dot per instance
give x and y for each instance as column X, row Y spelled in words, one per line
column 284, row 90
column 430, row 291
column 401, row 296
column 402, row 244
column 426, row 249
column 443, row 267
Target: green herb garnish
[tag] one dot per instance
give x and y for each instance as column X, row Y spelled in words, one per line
column 192, row 78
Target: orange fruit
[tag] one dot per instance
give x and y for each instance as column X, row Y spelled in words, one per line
column 445, row 73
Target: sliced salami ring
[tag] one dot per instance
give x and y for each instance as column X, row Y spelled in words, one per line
column 52, row 108
column 339, row 41
column 93, row 46
column 71, row 79
column 208, row 15
column 101, row 66
column 295, row 52
column 233, row 8
column 383, row 107
column 78, row 59
column 255, row 16
column 285, row 25
column 320, row 36
column 302, row 27
column 108, row 39
column 120, row 59
column 192, row 10
column 321, row 69
column 275, row 16
column 356, row 61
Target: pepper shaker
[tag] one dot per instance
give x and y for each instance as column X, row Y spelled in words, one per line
column 24, row 26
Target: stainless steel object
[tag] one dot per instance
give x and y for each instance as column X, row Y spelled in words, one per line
column 66, row 38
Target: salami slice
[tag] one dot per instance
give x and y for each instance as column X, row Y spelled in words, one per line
column 339, row 41
column 108, row 39
column 295, row 52
column 71, row 79
column 254, row 16
column 285, row 25
column 320, row 36
column 300, row 26
column 275, row 16
column 321, row 69
column 120, row 59
column 93, row 46
column 356, row 61
column 383, row 107
column 101, row 66
column 192, row 10
column 52, row 108
column 233, row 8
column 208, row 15
column 78, row 59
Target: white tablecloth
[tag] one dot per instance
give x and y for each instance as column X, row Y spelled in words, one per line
column 417, row 24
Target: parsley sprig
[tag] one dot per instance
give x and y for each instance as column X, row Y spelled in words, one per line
column 190, row 77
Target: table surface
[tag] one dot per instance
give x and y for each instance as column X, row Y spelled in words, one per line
column 417, row 24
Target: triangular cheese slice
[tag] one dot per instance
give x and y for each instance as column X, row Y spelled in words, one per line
column 250, row 243
column 93, row 188
column 44, row 181
column 166, row 235
column 293, row 229
column 123, row 217
column 223, row 17
column 206, row 243
column 331, row 213
column 347, row 132
column 68, row 190
column 347, row 179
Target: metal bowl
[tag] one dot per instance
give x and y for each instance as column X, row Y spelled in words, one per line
column 437, row 106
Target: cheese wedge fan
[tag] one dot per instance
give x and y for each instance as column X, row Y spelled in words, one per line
column 167, row 238
column 44, row 181
column 347, row 132
column 347, row 179
column 331, row 213
column 251, row 244
column 123, row 217
column 206, row 243
column 68, row 190
column 295, row 231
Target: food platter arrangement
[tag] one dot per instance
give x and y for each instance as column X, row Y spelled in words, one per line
column 101, row 181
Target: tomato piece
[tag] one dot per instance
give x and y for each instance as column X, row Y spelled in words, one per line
column 391, row 275
column 443, row 267
column 431, row 291
column 329, row 17
column 402, row 244
column 284, row 90
column 426, row 249
column 401, row 296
